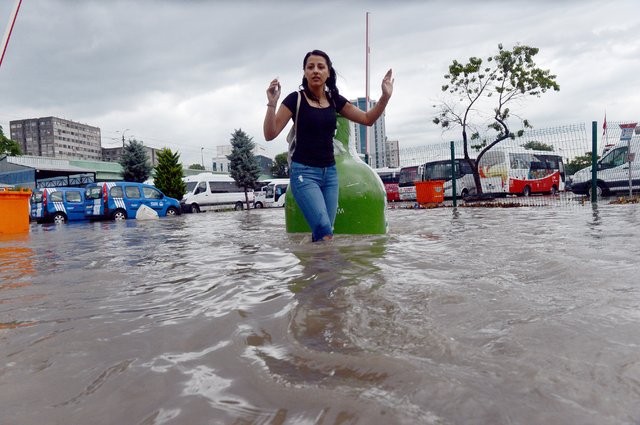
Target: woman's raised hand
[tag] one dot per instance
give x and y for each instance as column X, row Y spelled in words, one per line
column 273, row 92
column 387, row 84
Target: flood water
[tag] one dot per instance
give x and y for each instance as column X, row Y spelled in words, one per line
column 467, row 316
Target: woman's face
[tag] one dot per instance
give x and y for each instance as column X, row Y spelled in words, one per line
column 316, row 71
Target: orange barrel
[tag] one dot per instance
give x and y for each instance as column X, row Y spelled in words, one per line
column 430, row 192
column 14, row 211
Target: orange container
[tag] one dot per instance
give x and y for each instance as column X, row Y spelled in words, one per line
column 14, row 211
column 429, row 192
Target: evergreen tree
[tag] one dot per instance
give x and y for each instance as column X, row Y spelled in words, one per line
column 280, row 167
column 135, row 162
column 243, row 165
column 169, row 174
column 8, row 146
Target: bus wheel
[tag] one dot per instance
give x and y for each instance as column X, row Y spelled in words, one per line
column 554, row 190
column 119, row 215
column 526, row 191
column 59, row 218
column 195, row 208
column 464, row 193
column 238, row 206
column 257, row 205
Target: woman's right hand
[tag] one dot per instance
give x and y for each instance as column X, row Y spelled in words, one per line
column 273, row 92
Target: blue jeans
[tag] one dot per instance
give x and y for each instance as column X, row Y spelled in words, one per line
column 315, row 190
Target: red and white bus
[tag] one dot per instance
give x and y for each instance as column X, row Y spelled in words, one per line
column 406, row 183
column 522, row 171
column 390, row 178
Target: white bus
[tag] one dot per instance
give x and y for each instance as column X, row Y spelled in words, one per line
column 272, row 195
column 522, row 171
column 441, row 170
column 208, row 191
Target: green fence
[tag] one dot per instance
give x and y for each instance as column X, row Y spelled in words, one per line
column 542, row 167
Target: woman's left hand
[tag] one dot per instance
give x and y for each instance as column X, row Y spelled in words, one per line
column 387, row 84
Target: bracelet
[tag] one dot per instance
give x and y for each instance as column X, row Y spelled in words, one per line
column 270, row 105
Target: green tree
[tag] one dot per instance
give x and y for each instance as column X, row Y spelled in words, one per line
column 538, row 146
column 196, row 167
column 578, row 163
column 135, row 162
column 169, row 174
column 243, row 165
column 479, row 94
column 280, row 168
column 8, row 146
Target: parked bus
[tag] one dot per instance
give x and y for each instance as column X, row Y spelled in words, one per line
column 522, row 171
column 441, row 170
column 406, row 183
column 390, row 178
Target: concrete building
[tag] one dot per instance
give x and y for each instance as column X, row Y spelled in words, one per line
column 376, row 153
column 54, row 137
column 114, row 154
column 392, row 153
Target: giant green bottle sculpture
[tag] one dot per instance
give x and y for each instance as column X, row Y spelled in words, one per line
column 362, row 200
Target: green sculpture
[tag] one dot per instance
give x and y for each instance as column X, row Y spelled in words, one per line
column 362, row 200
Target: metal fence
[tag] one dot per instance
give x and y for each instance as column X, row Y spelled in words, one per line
column 549, row 166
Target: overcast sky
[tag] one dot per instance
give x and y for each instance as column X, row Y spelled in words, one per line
column 185, row 74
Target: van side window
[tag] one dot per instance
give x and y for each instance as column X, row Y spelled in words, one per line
column 94, row 192
column 116, row 192
column 202, row 188
column 151, row 193
column 55, row 196
column 36, row 197
column 132, row 192
column 74, row 197
column 615, row 158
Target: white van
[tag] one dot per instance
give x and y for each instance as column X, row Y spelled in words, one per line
column 614, row 169
column 272, row 195
column 208, row 191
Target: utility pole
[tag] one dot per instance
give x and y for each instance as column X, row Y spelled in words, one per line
column 123, row 131
column 202, row 156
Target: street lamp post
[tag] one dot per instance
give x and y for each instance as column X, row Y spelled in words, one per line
column 123, row 131
column 202, row 156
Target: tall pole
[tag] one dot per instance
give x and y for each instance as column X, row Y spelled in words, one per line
column 124, row 131
column 7, row 33
column 202, row 156
column 366, row 89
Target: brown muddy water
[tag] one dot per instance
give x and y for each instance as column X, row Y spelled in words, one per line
column 468, row 316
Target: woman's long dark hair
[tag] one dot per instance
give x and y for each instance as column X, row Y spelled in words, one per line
column 331, row 81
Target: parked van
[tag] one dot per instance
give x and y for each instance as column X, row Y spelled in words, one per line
column 272, row 195
column 208, row 191
column 613, row 170
column 121, row 200
column 57, row 205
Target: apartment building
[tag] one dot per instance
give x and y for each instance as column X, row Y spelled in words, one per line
column 55, row 137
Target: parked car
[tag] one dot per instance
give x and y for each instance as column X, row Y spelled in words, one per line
column 121, row 200
column 58, row 205
column 272, row 195
column 208, row 191
column 614, row 170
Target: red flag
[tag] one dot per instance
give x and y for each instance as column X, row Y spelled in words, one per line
column 604, row 125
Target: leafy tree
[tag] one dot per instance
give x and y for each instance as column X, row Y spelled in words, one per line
column 480, row 95
column 538, row 146
column 243, row 165
column 196, row 167
column 8, row 146
column 578, row 163
column 135, row 162
column 169, row 174
column 280, row 168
